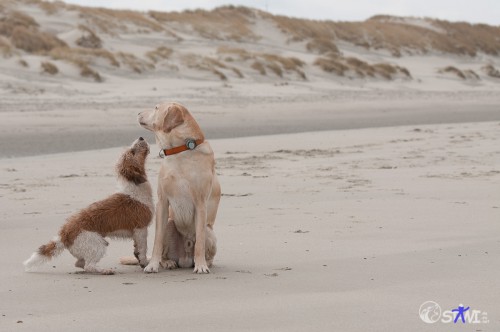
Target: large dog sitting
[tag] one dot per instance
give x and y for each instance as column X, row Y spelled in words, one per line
column 188, row 191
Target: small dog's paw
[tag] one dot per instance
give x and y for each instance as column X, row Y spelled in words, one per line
column 107, row 272
column 128, row 260
column 169, row 264
column 143, row 263
column 152, row 267
column 201, row 268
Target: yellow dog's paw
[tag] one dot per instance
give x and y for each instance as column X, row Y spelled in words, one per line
column 152, row 267
column 201, row 268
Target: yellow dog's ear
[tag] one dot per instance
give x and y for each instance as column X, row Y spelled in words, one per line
column 173, row 118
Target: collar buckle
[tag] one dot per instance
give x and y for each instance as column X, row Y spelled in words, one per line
column 191, row 144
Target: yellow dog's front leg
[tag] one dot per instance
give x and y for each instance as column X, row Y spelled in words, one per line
column 160, row 229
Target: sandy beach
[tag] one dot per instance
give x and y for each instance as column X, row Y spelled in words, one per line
column 335, row 230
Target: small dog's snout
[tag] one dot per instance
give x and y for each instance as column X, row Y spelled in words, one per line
column 141, row 139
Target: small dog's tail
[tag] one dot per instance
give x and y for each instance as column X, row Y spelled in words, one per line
column 44, row 254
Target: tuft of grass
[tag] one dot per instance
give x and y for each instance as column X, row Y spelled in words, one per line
column 219, row 73
column 240, row 52
column 34, row 41
column 319, row 35
column 82, row 58
column 322, row 46
column 275, row 68
column 258, row 66
column 289, row 63
column 385, row 70
column 5, row 48
column 86, row 71
column 23, row 63
column 159, row 54
column 212, row 65
column 237, row 72
column 89, row 38
column 304, row 29
column 22, row 30
column 111, row 21
column 82, row 54
column 331, row 65
column 341, row 66
column 222, row 23
column 362, row 68
column 16, row 19
column 453, row 70
column 260, row 61
column 466, row 74
column 49, row 68
column 134, row 62
column 491, row 71
column 471, row 75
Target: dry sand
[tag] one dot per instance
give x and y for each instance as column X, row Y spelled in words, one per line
column 348, row 230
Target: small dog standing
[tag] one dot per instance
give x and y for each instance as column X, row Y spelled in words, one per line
column 125, row 214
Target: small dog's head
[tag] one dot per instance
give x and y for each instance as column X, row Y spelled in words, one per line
column 132, row 163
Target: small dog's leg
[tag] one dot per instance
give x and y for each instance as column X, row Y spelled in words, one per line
column 136, row 252
column 91, row 268
column 140, row 237
column 80, row 263
column 90, row 247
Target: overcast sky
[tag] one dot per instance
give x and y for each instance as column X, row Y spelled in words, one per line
column 475, row 11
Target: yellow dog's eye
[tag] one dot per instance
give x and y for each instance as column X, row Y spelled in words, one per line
column 156, row 108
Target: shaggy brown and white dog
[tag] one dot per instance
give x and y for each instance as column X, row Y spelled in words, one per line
column 125, row 214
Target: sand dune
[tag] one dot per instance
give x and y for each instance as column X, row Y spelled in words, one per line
column 57, row 42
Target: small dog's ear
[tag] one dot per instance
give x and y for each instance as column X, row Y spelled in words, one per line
column 139, row 179
column 133, row 174
column 174, row 118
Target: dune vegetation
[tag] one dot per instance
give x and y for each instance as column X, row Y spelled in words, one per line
column 233, row 45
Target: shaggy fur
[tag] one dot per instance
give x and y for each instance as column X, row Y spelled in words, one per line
column 188, row 193
column 125, row 214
